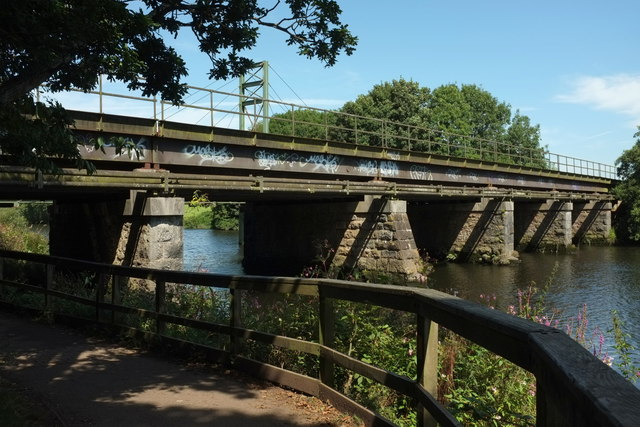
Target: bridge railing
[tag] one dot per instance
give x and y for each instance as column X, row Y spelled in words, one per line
column 222, row 109
column 573, row 387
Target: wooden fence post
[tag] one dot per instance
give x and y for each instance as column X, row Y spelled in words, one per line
column 427, row 353
column 234, row 320
column 47, row 286
column 116, row 295
column 326, row 338
column 100, row 290
column 1, row 279
column 161, row 293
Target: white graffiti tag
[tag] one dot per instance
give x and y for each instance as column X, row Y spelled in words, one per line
column 209, row 153
column 327, row 162
column 420, row 172
column 453, row 174
column 393, row 155
column 269, row 159
column 368, row 167
column 389, row 168
column 473, row 176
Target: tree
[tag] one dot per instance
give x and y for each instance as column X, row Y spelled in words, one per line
column 305, row 123
column 454, row 120
column 69, row 43
column 628, row 190
column 526, row 140
column 386, row 104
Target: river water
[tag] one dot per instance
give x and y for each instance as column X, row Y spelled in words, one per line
column 602, row 278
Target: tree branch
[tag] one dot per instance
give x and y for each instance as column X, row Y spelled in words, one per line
column 29, row 79
column 287, row 30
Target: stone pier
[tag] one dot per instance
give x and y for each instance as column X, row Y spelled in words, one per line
column 379, row 239
column 479, row 231
column 373, row 236
column 591, row 222
column 543, row 226
column 141, row 231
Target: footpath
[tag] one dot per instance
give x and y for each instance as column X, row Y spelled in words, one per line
column 88, row 381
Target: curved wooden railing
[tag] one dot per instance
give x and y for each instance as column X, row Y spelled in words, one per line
column 573, row 387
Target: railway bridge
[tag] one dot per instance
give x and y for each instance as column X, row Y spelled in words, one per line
column 357, row 192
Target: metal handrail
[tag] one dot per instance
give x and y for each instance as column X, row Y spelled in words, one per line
column 362, row 130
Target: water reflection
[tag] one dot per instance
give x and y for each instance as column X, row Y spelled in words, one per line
column 212, row 251
column 603, row 278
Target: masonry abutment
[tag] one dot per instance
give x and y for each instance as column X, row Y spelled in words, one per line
column 142, row 231
column 372, row 236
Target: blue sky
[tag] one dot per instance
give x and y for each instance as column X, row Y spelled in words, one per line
column 571, row 66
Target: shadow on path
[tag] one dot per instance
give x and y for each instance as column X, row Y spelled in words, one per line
column 88, row 381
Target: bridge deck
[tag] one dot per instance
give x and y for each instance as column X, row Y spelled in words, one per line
column 243, row 165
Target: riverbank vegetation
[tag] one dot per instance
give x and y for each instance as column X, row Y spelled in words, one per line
column 202, row 213
column 19, row 229
column 627, row 218
column 216, row 216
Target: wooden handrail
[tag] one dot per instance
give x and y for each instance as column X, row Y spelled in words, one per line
column 573, row 386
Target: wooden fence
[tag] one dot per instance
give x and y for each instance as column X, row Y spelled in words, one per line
column 573, row 386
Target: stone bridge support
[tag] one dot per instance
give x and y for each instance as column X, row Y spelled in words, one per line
column 373, row 236
column 591, row 222
column 543, row 226
column 465, row 231
column 141, row 231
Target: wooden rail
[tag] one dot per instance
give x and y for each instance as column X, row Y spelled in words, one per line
column 573, row 387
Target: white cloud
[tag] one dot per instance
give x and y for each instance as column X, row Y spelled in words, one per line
column 618, row 93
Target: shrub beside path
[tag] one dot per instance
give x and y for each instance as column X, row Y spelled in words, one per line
column 88, row 381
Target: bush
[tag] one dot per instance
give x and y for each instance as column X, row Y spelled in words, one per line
column 199, row 217
column 35, row 213
column 225, row 216
column 17, row 235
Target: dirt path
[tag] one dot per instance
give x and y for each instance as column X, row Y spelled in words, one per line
column 91, row 382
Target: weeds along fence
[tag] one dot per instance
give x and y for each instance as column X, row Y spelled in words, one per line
column 233, row 316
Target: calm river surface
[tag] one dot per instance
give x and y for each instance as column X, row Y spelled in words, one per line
column 603, row 278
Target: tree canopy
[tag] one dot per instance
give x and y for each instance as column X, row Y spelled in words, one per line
column 68, row 43
column 628, row 190
column 454, row 120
